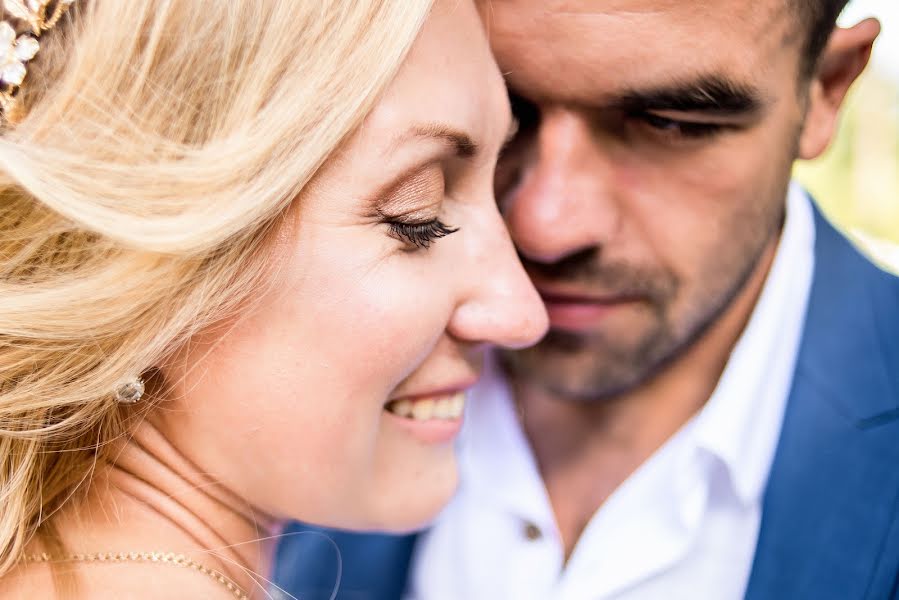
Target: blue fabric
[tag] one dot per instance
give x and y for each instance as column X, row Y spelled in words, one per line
column 371, row 566
column 829, row 525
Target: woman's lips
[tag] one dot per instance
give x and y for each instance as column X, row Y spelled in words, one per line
column 446, row 407
column 433, row 419
column 571, row 312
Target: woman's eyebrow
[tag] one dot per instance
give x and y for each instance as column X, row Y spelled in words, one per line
column 462, row 145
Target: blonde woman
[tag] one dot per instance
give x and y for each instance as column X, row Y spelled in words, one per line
column 249, row 260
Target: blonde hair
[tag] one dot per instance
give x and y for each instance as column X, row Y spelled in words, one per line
column 161, row 143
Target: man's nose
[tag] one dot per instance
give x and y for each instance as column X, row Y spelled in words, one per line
column 500, row 305
column 564, row 201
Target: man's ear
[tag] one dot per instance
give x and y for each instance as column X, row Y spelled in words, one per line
column 842, row 61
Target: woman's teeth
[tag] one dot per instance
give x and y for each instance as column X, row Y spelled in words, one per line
column 445, row 407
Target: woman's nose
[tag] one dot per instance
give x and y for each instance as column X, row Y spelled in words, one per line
column 500, row 305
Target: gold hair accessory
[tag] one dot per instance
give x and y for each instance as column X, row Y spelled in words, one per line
column 20, row 45
column 130, row 391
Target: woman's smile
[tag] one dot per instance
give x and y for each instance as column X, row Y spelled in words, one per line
column 433, row 420
column 434, row 417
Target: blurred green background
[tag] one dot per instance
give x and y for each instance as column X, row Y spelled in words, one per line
column 856, row 181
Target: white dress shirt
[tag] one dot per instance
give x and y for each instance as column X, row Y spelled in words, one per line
column 683, row 525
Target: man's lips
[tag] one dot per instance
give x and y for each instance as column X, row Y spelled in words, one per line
column 578, row 311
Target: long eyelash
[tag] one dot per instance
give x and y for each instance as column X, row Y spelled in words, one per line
column 421, row 235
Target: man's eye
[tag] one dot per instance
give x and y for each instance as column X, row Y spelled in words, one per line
column 678, row 128
column 420, row 235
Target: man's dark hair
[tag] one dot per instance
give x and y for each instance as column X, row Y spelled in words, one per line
column 818, row 17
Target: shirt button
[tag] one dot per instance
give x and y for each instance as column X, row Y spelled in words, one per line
column 532, row 533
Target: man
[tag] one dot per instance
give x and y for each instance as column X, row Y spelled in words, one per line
column 715, row 411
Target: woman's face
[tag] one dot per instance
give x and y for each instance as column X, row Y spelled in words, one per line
column 396, row 272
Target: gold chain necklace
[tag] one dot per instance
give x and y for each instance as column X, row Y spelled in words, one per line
column 168, row 558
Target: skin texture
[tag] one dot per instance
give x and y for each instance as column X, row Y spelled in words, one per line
column 361, row 317
column 645, row 193
column 280, row 413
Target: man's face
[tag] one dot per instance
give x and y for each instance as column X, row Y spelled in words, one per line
column 649, row 173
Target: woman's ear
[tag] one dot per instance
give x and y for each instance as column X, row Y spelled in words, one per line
column 841, row 62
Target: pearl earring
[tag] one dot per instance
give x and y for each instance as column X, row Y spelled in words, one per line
column 130, row 391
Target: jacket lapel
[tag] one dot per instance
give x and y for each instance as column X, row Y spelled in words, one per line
column 829, row 519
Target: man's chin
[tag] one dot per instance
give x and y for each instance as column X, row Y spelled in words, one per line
column 582, row 376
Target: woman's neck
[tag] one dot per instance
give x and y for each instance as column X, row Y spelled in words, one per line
column 149, row 497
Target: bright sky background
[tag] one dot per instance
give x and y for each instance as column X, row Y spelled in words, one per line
column 886, row 50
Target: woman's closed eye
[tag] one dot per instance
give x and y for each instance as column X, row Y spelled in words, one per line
column 411, row 209
column 419, row 234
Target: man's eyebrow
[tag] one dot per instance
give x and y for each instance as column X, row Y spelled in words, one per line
column 460, row 142
column 708, row 94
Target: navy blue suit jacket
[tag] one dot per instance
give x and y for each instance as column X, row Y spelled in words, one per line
column 830, row 515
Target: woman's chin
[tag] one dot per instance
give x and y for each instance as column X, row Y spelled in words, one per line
column 414, row 519
column 404, row 509
column 426, row 497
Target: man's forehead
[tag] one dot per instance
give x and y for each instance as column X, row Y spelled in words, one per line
column 639, row 17
column 573, row 47
column 764, row 9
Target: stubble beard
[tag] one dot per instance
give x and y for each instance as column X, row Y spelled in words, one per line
column 597, row 367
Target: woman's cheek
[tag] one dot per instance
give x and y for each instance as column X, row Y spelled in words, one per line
column 401, row 313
